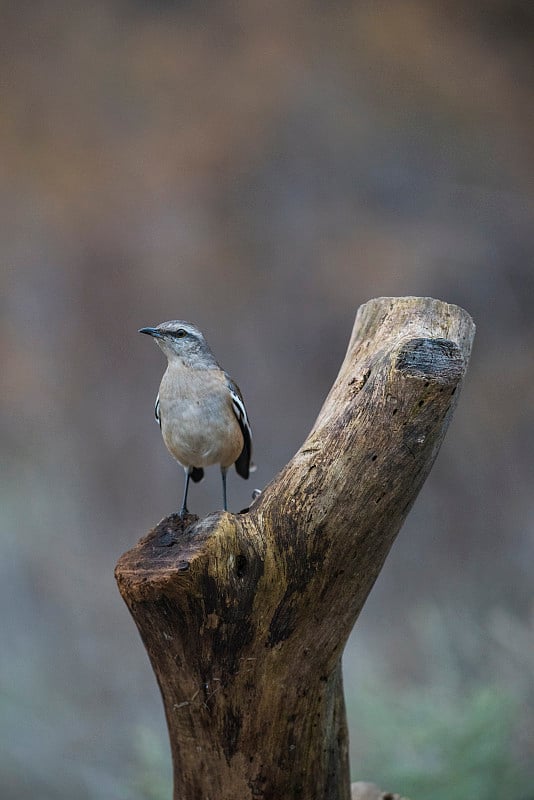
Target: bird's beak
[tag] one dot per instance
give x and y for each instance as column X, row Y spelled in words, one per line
column 152, row 332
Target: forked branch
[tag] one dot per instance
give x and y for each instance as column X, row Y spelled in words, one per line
column 245, row 617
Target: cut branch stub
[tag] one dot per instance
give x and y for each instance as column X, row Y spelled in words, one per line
column 245, row 617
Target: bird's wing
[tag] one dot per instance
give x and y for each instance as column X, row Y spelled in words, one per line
column 156, row 411
column 242, row 465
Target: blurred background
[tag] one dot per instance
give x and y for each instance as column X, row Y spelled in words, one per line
column 261, row 169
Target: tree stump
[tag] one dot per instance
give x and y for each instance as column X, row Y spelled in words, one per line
column 245, row 616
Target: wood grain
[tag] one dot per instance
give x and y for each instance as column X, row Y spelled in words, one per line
column 245, row 617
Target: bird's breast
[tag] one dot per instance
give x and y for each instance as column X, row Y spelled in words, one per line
column 198, row 425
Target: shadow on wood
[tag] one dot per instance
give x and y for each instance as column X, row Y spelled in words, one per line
column 245, row 617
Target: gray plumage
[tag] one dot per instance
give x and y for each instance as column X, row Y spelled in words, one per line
column 199, row 408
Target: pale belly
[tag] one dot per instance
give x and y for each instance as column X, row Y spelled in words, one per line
column 199, row 432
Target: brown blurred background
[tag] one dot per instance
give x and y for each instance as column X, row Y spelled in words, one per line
column 261, row 169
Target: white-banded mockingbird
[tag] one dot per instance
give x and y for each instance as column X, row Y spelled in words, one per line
column 199, row 408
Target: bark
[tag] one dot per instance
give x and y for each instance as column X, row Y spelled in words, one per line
column 245, row 616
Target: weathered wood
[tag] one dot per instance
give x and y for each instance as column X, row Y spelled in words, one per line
column 245, row 617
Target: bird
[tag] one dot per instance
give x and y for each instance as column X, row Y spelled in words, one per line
column 199, row 408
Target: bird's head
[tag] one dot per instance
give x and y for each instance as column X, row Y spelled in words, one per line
column 183, row 341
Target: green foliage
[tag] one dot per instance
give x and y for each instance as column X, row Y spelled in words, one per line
column 430, row 743
column 152, row 779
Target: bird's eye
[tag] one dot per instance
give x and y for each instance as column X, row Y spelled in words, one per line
column 180, row 333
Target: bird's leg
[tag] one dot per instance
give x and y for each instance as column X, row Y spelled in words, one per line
column 223, row 473
column 183, row 510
